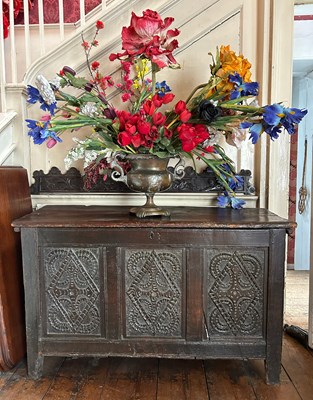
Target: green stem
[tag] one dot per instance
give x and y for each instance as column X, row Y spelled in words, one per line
column 154, row 69
column 194, row 91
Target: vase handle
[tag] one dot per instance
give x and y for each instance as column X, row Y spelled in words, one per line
column 179, row 169
column 117, row 173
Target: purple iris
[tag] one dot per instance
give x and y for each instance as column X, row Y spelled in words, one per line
column 39, row 131
column 225, row 200
column 275, row 118
column 161, row 88
column 255, row 130
column 276, row 115
column 242, row 88
column 234, row 183
column 34, row 96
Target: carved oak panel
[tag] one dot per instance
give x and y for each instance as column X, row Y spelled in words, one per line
column 235, row 281
column 154, row 293
column 72, row 290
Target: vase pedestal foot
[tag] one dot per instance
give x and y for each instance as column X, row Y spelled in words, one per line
column 149, row 209
column 142, row 212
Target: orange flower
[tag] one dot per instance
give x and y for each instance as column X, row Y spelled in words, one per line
column 231, row 63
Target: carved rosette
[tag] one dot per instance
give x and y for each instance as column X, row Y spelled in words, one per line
column 235, row 292
column 72, row 290
column 153, row 293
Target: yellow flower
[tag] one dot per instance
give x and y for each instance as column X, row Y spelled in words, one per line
column 136, row 84
column 142, row 68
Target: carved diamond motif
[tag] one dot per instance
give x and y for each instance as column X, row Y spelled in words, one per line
column 153, row 285
column 72, row 287
column 235, row 293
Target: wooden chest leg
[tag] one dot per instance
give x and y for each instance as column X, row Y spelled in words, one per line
column 272, row 369
column 35, row 365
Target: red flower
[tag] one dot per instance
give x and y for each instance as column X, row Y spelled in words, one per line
column 126, row 66
column 147, row 36
column 209, row 149
column 167, row 98
column 184, row 113
column 185, row 116
column 158, row 119
column 126, row 97
column 180, row 107
column 192, row 135
column 85, row 45
column 143, row 127
column 124, row 138
column 99, row 25
column 167, row 133
column 157, row 100
column 149, row 107
column 95, row 65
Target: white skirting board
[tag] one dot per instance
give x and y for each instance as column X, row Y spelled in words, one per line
column 135, row 199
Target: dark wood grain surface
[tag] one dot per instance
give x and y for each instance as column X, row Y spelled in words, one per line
column 162, row 379
column 182, row 217
column 202, row 283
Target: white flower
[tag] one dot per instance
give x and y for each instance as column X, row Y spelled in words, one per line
column 237, row 137
column 89, row 109
column 215, row 137
column 45, row 89
column 55, row 82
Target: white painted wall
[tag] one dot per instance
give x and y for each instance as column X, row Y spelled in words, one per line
column 260, row 29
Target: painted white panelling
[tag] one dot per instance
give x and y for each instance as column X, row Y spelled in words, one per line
column 135, row 199
column 260, row 29
column 203, row 26
column 281, row 89
column 7, row 145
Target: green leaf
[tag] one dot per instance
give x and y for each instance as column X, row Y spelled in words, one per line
column 77, row 82
column 88, row 98
column 160, row 154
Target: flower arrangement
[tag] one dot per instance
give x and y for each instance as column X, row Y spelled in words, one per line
column 224, row 105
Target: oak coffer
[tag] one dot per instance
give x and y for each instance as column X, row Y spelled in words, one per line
column 202, row 283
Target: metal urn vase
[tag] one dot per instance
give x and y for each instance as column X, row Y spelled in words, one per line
column 148, row 174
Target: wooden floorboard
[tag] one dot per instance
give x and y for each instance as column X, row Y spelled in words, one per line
column 163, row 379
